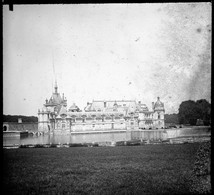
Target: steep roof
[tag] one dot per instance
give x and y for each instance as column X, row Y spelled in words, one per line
column 55, row 99
column 63, row 111
column 142, row 107
column 109, row 104
column 88, row 107
column 57, row 108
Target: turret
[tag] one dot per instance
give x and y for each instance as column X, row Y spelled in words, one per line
column 159, row 113
column 65, row 101
column 153, row 104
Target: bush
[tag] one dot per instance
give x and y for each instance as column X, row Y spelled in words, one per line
column 53, row 145
column 76, row 145
column 38, row 146
column 23, row 146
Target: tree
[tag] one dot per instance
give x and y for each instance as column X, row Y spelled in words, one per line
column 14, row 118
column 171, row 118
column 190, row 111
column 205, row 108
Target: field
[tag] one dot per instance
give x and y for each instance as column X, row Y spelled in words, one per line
column 149, row 169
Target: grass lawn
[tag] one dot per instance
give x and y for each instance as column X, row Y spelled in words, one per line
column 149, row 169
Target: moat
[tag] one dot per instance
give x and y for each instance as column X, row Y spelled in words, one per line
column 110, row 137
column 65, row 138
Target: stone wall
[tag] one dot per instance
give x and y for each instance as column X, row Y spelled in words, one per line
column 147, row 135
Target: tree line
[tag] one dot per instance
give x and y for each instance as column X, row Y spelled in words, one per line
column 14, row 118
column 191, row 111
column 171, row 118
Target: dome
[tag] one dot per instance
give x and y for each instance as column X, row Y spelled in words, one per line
column 74, row 107
column 158, row 105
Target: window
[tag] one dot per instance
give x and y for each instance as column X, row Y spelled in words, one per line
column 158, row 116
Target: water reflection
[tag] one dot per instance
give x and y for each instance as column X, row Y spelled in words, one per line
column 67, row 138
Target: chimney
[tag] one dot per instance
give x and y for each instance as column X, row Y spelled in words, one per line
column 88, row 103
column 158, row 98
column 104, row 104
column 139, row 102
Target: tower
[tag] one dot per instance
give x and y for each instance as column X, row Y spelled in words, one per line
column 43, row 120
column 51, row 108
column 159, row 114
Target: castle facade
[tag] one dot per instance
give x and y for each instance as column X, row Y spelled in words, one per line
column 99, row 115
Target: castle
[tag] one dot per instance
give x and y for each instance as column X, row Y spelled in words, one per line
column 99, row 115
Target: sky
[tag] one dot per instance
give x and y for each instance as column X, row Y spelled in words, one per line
column 106, row 52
